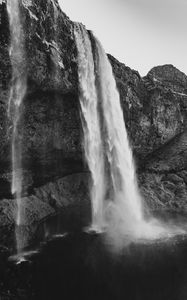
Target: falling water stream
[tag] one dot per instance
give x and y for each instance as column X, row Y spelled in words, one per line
column 17, row 93
column 118, row 151
column 114, row 191
column 91, row 124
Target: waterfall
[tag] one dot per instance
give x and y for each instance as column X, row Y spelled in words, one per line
column 125, row 196
column 99, row 93
column 117, row 206
column 93, row 145
column 17, row 93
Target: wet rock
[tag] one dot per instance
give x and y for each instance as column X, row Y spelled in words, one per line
column 161, row 195
column 169, row 185
column 174, row 178
column 48, row 200
column 183, row 175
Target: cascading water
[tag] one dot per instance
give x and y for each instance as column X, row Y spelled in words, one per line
column 114, row 192
column 91, row 124
column 124, row 215
column 125, row 195
column 120, row 161
column 17, row 93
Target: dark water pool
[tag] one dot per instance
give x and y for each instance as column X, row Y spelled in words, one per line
column 79, row 266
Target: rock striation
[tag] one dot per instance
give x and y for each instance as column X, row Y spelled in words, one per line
column 155, row 112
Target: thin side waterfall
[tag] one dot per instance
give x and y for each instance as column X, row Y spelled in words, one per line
column 114, row 193
column 17, row 93
column 93, row 145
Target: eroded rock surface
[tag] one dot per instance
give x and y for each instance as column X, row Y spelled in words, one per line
column 69, row 194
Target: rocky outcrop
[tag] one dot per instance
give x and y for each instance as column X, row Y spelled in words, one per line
column 155, row 112
column 170, row 77
column 164, row 169
column 67, row 197
column 50, row 126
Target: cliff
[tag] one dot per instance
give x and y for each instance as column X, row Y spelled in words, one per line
column 55, row 175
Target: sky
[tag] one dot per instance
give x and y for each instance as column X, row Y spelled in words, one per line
column 140, row 33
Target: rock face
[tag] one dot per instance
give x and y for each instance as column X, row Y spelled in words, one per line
column 155, row 112
column 52, row 203
column 50, row 123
